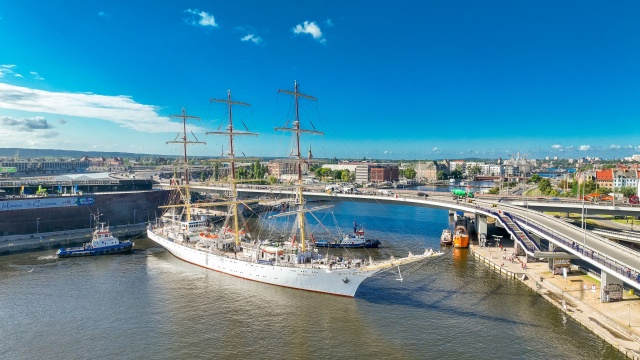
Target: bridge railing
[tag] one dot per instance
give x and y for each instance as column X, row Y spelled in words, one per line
column 535, row 246
column 589, row 253
column 603, row 241
column 621, row 234
column 530, row 249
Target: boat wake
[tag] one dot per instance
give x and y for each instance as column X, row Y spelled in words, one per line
column 47, row 257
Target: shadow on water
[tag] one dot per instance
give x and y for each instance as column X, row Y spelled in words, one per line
column 411, row 298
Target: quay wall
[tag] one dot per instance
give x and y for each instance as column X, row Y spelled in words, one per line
column 35, row 215
column 57, row 239
column 601, row 322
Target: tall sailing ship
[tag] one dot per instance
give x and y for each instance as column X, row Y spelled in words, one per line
column 230, row 249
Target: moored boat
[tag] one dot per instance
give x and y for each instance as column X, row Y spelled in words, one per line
column 446, row 238
column 102, row 243
column 460, row 236
column 356, row 240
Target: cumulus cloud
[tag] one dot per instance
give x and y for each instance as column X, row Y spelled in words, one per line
column 121, row 110
column 36, row 75
column 311, row 28
column 435, row 149
column 201, row 18
column 556, row 146
column 26, row 124
column 612, row 146
column 584, row 147
column 252, row 37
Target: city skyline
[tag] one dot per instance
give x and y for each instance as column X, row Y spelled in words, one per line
column 409, row 81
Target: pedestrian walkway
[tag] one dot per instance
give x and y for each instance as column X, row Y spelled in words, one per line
column 618, row 323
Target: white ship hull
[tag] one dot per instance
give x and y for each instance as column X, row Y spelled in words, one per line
column 343, row 282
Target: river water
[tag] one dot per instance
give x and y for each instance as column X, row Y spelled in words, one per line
column 150, row 305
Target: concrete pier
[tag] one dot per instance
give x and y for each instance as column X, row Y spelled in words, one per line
column 578, row 295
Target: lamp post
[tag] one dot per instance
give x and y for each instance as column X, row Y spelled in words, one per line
column 37, row 225
column 134, row 216
column 584, row 225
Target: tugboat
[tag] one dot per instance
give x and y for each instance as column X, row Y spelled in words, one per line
column 102, row 243
column 461, row 236
column 356, row 240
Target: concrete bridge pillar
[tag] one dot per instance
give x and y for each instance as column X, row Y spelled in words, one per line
column 481, row 224
column 607, row 279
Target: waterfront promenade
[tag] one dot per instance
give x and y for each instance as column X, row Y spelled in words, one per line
column 616, row 322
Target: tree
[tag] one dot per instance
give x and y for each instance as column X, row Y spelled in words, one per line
column 544, row 185
column 494, row 190
column 410, row 173
column 474, row 170
column 345, row 176
column 628, row 191
column 456, row 174
column 272, row 180
column 536, row 178
column 441, row 175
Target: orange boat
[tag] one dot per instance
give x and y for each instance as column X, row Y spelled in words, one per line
column 460, row 237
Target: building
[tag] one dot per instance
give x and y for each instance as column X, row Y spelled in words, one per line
column 24, row 167
column 278, row 168
column 428, row 170
column 604, row 178
column 382, row 172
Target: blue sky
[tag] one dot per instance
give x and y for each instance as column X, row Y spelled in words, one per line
column 400, row 80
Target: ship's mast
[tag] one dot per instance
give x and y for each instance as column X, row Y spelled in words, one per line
column 185, row 141
column 231, row 133
column 298, row 155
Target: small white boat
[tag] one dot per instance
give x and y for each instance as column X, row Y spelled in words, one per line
column 446, row 238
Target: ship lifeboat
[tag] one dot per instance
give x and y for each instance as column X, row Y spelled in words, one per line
column 208, row 235
column 229, row 230
column 272, row 250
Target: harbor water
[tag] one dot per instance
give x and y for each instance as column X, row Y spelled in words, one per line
column 150, row 305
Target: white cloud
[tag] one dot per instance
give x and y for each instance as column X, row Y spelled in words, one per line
column 36, row 75
column 584, row 147
column 18, row 75
column 252, row 37
column 121, row 110
column 311, row 28
column 329, row 22
column 104, row 14
column 612, row 146
column 435, row 149
column 6, row 69
column 206, row 19
column 556, row 147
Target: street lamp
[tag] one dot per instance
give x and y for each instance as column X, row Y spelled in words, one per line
column 37, row 225
column 583, row 186
column 134, row 216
